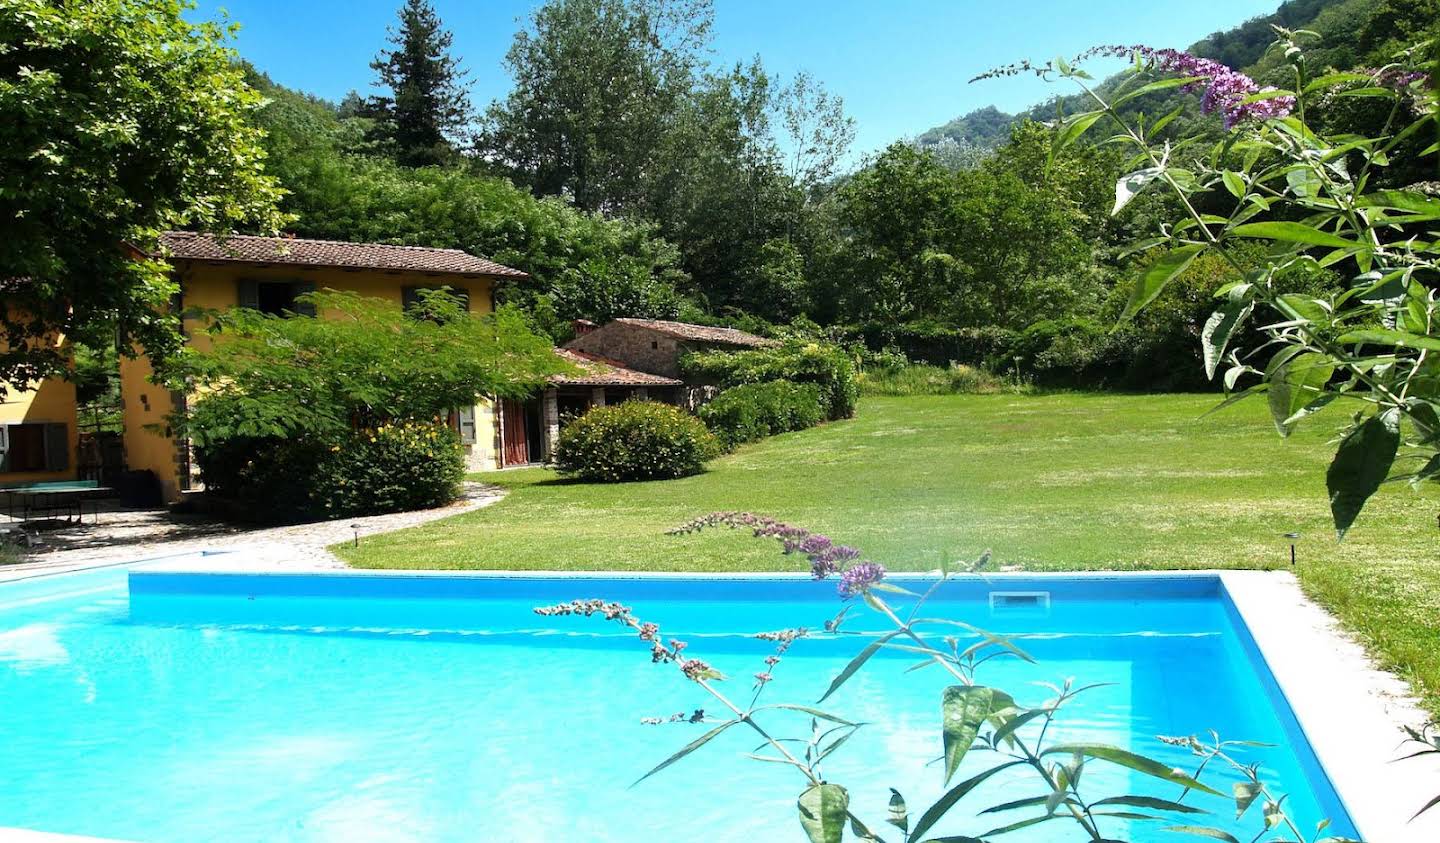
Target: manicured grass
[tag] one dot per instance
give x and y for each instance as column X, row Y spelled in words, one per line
column 1050, row 482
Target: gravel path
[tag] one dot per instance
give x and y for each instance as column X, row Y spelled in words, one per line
column 124, row 535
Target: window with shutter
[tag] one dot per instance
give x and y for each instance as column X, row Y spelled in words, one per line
column 57, row 446
column 275, row 297
column 300, row 288
column 465, row 425
column 25, row 447
column 4, row 447
column 247, row 294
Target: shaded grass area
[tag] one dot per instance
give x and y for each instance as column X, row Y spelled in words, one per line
column 1048, row 482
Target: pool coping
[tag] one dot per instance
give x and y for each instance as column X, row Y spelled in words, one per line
column 1350, row 712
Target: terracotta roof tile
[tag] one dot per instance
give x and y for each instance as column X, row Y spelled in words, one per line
column 298, row 252
column 701, row 333
column 602, row 371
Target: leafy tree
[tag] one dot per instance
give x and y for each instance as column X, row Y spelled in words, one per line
column 119, row 119
column 365, row 363
column 582, row 265
column 429, row 101
column 596, row 83
column 817, row 129
column 973, row 248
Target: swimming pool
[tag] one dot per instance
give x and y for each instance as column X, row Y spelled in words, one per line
column 163, row 707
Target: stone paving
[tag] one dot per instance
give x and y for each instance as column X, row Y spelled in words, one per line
column 124, row 535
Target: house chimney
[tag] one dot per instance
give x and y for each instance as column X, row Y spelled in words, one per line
column 582, row 327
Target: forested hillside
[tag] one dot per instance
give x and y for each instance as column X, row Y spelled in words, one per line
column 1242, row 47
column 718, row 196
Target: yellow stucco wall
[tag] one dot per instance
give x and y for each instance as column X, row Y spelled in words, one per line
column 51, row 400
column 216, row 287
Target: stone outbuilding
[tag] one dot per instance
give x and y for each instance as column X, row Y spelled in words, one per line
column 655, row 346
column 526, row 431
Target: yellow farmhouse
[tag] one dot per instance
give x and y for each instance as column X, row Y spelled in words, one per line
column 267, row 273
column 38, row 430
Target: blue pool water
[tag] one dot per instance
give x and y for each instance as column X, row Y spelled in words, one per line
column 168, row 707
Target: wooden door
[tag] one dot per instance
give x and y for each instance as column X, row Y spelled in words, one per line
column 515, row 448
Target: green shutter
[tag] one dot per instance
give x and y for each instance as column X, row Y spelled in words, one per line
column 300, row 288
column 247, row 294
column 465, row 423
column 57, row 446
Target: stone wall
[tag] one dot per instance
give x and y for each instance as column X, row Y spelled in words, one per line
column 636, row 347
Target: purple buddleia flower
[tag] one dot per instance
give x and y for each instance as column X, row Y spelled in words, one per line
column 1224, row 90
column 859, row 577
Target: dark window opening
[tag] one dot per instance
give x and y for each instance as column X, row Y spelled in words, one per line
column 534, row 425
column 654, row 344
column 36, row 446
column 277, row 298
column 571, row 407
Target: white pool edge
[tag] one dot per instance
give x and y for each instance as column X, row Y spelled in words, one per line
column 1352, row 713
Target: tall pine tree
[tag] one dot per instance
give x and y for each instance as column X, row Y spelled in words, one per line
column 429, row 101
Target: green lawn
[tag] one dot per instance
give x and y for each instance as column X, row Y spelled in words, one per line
column 1054, row 482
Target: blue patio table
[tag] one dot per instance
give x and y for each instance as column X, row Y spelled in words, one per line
column 47, row 499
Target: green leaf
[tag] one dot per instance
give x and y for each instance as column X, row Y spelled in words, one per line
column 1219, row 328
column 1072, row 129
column 1152, row 802
column 963, row 709
column 1016, row 826
column 1153, row 280
column 1138, row 763
column 935, row 812
column 1299, row 307
column 1296, row 384
column 1293, row 232
column 899, row 816
column 1332, row 79
column 1361, row 464
column 689, row 748
column 1234, row 183
column 1420, row 206
column 1245, row 794
column 813, row 712
column 857, row 662
column 1161, row 85
column 1200, row 831
column 1382, row 336
column 1129, row 186
column 823, row 811
column 862, row 831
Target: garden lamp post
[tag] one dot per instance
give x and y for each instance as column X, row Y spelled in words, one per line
column 356, row 529
column 1293, row 537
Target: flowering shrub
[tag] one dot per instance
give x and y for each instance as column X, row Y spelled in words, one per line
column 636, row 440
column 392, row 468
column 797, row 361
column 1316, row 200
column 755, row 410
column 975, row 718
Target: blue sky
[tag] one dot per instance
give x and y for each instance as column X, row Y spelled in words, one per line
column 901, row 65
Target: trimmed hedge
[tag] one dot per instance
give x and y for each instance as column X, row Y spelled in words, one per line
column 755, row 410
column 827, row 366
column 636, row 440
column 392, row 468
